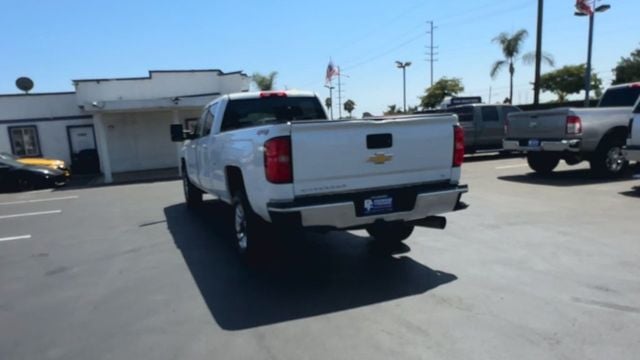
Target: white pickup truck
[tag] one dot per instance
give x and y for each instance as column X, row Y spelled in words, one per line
column 277, row 160
column 632, row 150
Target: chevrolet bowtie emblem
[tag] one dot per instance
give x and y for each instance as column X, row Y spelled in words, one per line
column 380, row 158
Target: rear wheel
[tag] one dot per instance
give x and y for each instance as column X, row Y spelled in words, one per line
column 192, row 195
column 609, row 160
column 542, row 163
column 390, row 232
column 249, row 228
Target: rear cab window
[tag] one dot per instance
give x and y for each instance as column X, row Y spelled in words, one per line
column 621, row 96
column 489, row 113
column 244, row 113
column 465, row 113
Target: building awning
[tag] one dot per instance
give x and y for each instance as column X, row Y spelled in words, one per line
column 173, row 103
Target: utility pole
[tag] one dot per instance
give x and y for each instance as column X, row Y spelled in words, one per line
column 536, row 82
column 431, row 54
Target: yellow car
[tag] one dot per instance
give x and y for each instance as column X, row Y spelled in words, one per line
column 37, row 161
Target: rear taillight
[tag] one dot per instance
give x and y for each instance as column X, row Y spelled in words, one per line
column 277, row 160
column 630, row 127
column 458, row 146
column 574, row 125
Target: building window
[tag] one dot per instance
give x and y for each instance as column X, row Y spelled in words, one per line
column 24, row 140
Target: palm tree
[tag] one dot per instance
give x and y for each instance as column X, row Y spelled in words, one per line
column 511, row 46
column 263, row 82
column 349, row 106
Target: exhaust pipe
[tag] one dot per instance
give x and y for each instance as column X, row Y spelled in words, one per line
column 434, row 222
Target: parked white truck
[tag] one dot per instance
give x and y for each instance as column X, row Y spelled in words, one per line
column 632, row 150
column 277, row 160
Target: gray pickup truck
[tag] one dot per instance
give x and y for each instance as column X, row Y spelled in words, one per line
column 576, row 134
column 483, row 124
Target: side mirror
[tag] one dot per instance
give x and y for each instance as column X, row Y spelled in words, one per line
column 178, row 134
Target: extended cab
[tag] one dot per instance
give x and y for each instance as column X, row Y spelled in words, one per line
column 277, row 160
column 576, row 134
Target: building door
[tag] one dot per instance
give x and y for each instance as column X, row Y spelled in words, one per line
column 82, row 144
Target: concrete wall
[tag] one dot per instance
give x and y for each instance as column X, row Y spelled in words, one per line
column 53, row 138
column 160, row 85
column 140, row 141
column 49, row 113
column 14, row 107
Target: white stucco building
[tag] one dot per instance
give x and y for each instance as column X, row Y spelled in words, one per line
column 124, row 121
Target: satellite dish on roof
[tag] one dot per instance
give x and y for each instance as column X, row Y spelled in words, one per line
column 24, row 83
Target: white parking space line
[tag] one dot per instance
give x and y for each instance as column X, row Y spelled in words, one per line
column 39, row 200
column 30, row 214
column 15, row 238
column 511, row 166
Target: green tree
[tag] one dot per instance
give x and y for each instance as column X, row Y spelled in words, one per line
column 393, row 110
column 568, row 80
column 349, row 106
column 441, row 89
column 511, row 45
column 628, row 69
column 265, row 82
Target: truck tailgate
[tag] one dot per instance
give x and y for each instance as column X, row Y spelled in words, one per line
column 545, row 124
column 343, row 156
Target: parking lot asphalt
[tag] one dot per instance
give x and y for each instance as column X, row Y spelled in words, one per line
column 536, row 268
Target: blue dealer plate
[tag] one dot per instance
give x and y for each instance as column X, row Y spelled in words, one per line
column 378, row 205
column 534, row 143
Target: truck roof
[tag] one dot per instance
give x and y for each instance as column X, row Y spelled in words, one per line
column 259, row 94
column 632, row 84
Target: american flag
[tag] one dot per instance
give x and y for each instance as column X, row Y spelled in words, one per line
column 582, row 6
column 332, row 71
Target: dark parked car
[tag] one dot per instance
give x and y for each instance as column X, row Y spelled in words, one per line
column 15, row 176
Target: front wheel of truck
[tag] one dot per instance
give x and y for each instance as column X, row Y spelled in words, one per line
column 192, row 195
column 390, row 232
column 542, row 163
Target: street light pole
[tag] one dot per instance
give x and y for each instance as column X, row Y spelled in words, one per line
column 330, row 87
column 403, row 66
column 536, row 82
column 587, row 74
column 587, row 77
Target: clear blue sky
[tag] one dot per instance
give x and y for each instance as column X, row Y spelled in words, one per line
column 54, row 42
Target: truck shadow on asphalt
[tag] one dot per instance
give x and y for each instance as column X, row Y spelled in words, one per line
column 635, row 192
column 478, row 157
column 578, row 177
column 317, row 275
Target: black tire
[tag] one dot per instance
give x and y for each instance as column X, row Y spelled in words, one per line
column 608, row 160
column 542, row 163
column 249, row 229
column 390, row 233
column 192, row 195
